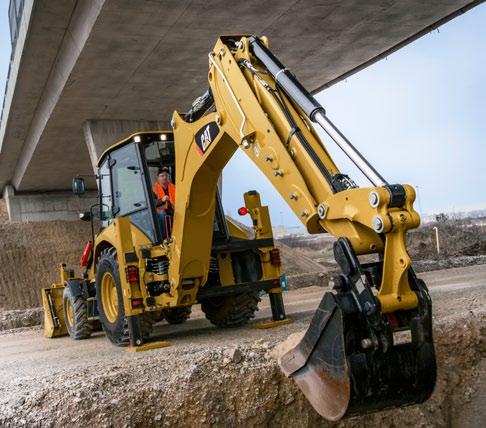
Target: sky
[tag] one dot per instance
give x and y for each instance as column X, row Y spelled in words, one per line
column 419, row 116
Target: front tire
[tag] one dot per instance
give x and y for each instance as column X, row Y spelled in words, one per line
column 110, row 301
column 76, row 316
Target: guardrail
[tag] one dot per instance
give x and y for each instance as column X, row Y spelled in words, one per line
column 15, row 9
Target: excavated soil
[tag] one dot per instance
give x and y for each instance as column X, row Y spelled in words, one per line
column 231, row 378
column 210, row 377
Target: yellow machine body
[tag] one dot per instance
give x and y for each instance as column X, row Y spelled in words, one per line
column 369, row 345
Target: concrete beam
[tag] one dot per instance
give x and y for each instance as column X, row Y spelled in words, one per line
column 48, row 206
column 78, row 30
column 101, row 134
column 24, row 88
column 136, row 59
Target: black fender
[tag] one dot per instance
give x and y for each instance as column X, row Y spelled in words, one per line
column 77, row 287
column 82, row 288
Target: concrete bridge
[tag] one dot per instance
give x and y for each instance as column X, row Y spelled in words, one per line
column 84, row 73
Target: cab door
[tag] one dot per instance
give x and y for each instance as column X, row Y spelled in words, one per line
column 130, row 195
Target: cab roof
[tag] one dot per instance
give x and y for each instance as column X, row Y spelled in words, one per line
column 138, row 137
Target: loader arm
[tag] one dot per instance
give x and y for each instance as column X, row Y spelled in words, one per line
column 377, row 327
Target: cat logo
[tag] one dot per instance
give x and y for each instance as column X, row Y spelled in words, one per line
column 205, row 136
column 205, row 139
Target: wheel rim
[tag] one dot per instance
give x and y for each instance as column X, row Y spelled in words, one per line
column 69, row 313
column 109, row 297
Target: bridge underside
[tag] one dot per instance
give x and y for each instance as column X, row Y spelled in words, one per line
column 130, row 61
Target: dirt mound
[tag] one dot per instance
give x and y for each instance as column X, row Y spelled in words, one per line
column 30, row 254
column 447, row 263
column 457, row 237
column 295, row 261
column 3, row 212
column 196, row 386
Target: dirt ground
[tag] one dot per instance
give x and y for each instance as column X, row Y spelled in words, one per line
column 202, row 380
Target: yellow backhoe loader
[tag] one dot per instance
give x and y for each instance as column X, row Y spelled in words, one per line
column 369, row 345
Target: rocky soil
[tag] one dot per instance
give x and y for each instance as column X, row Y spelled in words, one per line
column 231, row 379
column 208, row 378
column 21, row 318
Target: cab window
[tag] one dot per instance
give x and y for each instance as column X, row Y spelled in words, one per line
column 129, row 193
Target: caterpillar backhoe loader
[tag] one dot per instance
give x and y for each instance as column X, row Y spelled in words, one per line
column 369, row 345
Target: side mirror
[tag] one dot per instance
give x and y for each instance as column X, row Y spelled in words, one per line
column 78, row 186
column 86, row 216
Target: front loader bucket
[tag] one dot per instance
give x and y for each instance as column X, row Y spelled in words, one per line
column 52, row 301
column 341, row 375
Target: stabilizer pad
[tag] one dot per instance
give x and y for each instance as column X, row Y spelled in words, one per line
column 148, row 346
column 272, row 324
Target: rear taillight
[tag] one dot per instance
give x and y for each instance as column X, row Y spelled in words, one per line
column 137, row 303
column 243, row 211
column 275, row 257
column 132, row 274
column 86, row 253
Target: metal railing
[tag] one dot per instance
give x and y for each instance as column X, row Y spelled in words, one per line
column 14, row 17
column 15, row 10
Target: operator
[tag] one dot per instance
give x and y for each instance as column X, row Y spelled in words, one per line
column 164, row 191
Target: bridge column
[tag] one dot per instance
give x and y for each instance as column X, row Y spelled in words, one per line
column 101, row 134
column 46, row 206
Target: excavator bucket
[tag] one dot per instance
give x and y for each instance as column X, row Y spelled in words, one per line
column 344, row 366
column 318, row 363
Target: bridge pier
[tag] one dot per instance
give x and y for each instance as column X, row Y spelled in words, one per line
column 46, row 206
column 101, row 134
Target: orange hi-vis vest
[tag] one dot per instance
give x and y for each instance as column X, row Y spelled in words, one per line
column 160, row 193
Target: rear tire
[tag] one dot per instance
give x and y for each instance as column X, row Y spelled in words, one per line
column 76, row 316
column 177, row 315
column 110, row 301
column 231, row 311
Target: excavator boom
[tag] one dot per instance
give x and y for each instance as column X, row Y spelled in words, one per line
column 369, row 345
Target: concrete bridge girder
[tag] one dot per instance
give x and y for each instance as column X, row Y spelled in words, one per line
column 46, row 206
column 100, row 63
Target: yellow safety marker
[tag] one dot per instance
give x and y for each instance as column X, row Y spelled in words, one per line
column 272, row 324
column 148, row 346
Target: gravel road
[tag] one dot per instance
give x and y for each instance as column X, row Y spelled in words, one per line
column 199, row 382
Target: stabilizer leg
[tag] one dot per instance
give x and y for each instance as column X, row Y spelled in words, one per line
column 278, row 312
column 137, row 342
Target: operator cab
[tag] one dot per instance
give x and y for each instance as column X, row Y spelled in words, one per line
column 127, row 172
